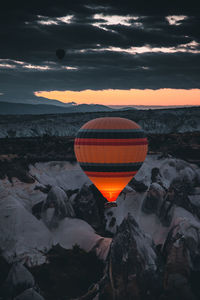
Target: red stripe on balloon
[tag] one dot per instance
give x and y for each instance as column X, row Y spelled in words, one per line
column 110, row 142
column 110, row 174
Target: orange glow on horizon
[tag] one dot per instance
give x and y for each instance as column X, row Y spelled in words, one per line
column 165, row 97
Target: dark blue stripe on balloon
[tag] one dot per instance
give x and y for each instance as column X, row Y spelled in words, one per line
column 98, row 167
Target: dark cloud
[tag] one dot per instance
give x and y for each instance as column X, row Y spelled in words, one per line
column 92, row 46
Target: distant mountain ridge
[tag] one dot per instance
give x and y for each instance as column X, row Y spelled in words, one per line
column 11, row 108
column 161, row 121
column 130, row 107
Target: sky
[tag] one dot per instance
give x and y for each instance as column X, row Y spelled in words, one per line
column 117, row 52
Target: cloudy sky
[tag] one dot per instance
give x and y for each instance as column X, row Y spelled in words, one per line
column 117, row 52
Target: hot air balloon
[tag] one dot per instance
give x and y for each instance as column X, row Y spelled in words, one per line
column 110, row 151
column 60, row 53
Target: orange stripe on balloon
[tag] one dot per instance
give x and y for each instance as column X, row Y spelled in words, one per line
column 110, row 123
column 110, row 142
column 110, row 174
column 124, row 153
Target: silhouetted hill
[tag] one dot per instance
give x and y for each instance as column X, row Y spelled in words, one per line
column 7, row 108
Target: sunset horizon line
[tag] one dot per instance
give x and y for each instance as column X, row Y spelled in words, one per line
column 146, row 97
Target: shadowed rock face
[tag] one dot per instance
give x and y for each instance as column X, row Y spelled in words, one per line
column 132, row 257
column 185, row 145
column 181, row 252
column 154, row 199
column 56, row 207
column 138, row 186
column 15, row 168
column 68, row 274
column 4, row 267
column 159, row 200
column 179, row 194
column 29, row 294
column 181, row 188
column 166, row 213
column 155, row 195
column 18, row 280
column 89, row 206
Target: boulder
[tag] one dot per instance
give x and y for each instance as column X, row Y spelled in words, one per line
column 132, row 257
column 154, row 199
column 18, row 280
column 156, row 176
column 89, row 206
column 22, row 235
column 74, row 231
column 138, row 186
column 166, row 213
column 56, row 207
column 181, row 252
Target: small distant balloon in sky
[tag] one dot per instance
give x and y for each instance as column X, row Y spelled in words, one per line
column 60, row 53
column 110, row 151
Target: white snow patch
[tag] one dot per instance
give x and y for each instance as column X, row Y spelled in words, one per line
column 23, row 192
column 77, row 232
column 23, row 237
column 60, row 173
column 131, row 202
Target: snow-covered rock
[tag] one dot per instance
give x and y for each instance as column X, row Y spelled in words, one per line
column 188, row 230
column 27, row 239
column 56, row 207
column 158, row 224
column 22, row 237
column 74, row 231
column 18, row 199
column 65, row 197
column 181, row 251
column 130, row 243
column 64, row 174
column 27, row 194
column 131, row 257
column 154, row 199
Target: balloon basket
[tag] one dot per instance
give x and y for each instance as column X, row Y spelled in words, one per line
column 110, row 205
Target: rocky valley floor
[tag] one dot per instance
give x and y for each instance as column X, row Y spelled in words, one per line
column 58, row 242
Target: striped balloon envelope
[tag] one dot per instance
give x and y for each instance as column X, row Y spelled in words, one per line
column 110, row 151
